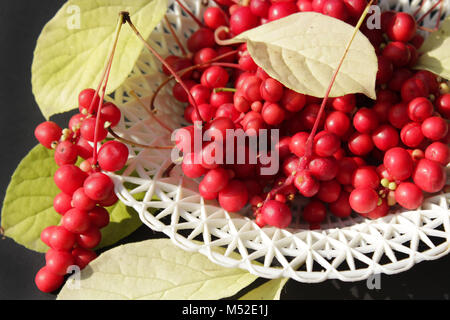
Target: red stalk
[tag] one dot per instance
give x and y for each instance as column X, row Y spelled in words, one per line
column 189, row 12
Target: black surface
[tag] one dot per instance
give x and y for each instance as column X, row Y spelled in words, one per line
column 20, row 24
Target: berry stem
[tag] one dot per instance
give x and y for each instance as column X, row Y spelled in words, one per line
column 174, row 35
column 429, row 11
column 106, row 78
column 115, row 135
column 189, row 12
column 227, row 65
column 158, row 56
column 152, row 114
column 225, row 90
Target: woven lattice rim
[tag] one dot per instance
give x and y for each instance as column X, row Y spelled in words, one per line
column 351, row 249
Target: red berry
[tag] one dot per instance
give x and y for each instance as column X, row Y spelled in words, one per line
column 87, row 130
column 281, row 9
column 360, row 144
column 83, row 256
column 260, row 8
column 293, row 101
column 215, row 77
column 411, row 135
column 414, row 88
column 341, row 207
column 234, row 196
column 205, row 193
column 314, row 212
column 366, row 177
column 398, row 115
column 443, row 105
column 202, row 38
column 273, row 114
column 110, row 113
column 402, row 27
column 429, row 176
column 409, row 196
column 355, row 7
column 66, row 153
column 46, row 235
column 271, row 90
column 47, row 133
column 109, row 201
column 380, row 211
column 277, row 214
column 81, row 201
column 85, row 100
column 113, row 156
column 305, row 5
column 99, row 217
column 98, row 186
column 306, row 184
column 326, row 144
column 47, row 281
column 69, row 178
column 324, row 169
column 435, row 128
column 62, row 203
column 385, row 137
column 58, row 261
column 338, row 123
column 439, row 152
column 365, row 120
column 385, row 70
column 76, row 221
column 329, row 191
column 363, row 200
column 84, row 148
column 335, row 9
column 347, row 167
column 216, row 180
column 420, row 109
column 345, row 103
column 220, row 98
column 398, row 163
column 242, row 20
column 192, row 167
column 61, row 239
column 398, row 53
column 90, row 238
column 214, row 17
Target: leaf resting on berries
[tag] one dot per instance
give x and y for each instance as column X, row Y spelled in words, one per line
column 303, row 50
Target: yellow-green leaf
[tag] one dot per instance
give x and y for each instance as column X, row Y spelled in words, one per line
column 303, row 50
column 72, row 50
column 28, row 204
column 156, row 270
column 271, row 290
column 436, row 52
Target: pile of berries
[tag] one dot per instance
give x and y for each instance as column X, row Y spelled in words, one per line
column 366, row 157
column 85, row 190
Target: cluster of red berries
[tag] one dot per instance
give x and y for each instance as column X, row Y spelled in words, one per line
column 85, row 191
column 367, row 156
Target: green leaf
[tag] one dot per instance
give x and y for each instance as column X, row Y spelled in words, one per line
column 271, row 290
column 73, row 47
column 436, row 52
column 303, row 50
column 157, row 270
column 28, row 204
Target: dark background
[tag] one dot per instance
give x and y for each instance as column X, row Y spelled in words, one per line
column 20, row 24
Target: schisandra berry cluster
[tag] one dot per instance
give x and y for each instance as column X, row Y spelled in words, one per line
column 367, row 156
column 85, row 190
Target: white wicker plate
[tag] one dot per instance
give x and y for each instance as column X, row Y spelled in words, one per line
column 351, row 249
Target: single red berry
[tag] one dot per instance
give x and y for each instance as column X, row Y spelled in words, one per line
column 381, row 210
column 398, row 163
column 338, row 123
column 214, row 17
column 398, row 115
column 317, row 5
column 87, row 130
column 98, row 186
column 305, row 5
column 109, row 201
column 402, row 27
column 205, row 193
column 271, row 90
column 365, row 120
column 363, row 200
column 66, row 153
column 113, row 156
column 399, row 77
column 385, row 70
column 216, row 180
column 61, row 239
column 273, row 114
column 202, row 38
column 306, row 184
column 276, row 214
column 215, row 77
column 242, row 20
column 220, row 98
column 355, row 7
column 439, row 152
column 329, row 191
column 314, row 212
column 260, row 8
column 409, row 196
column 398, row 53
column 347, row 167
column 414, row 88
column 435, row 128
column 366, row 177
column 324, row 169
column 227, row 110
column 192, row 167
column 293, row 101
column 429, row 176
column 47, row 281
column 281, row 9
column 341, row 207
column 90, row 238
column 99, row 217
column 83, row 256
column 385, row 137
column 69, row 178
column 46, row 235
column 110, row 113
column 345, row 103
column 84, row 148
column 443, row 105
column 58, row 261
column 234, row 196
column 326, row 144
column 412, row 135
column 76, row 221
column 85, row 100
column 419, row 109
column 335, row 9
column 62, row 203
column 47, row 133
column 360, row 144
column 81, row 201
